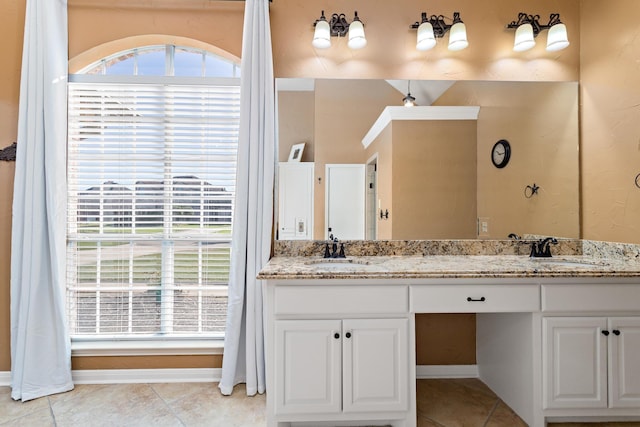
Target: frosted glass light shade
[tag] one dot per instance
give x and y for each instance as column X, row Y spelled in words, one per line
column 322, row 35
column 426, row 38
column 557, row 38
column 524, row 38
column 458, row 37
column 357, row 39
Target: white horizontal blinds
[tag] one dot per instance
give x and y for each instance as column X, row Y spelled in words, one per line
column 151, row 182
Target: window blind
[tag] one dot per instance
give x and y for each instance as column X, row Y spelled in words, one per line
column 151, row 186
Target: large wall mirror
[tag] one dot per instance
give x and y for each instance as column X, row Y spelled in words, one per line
column 434, row 178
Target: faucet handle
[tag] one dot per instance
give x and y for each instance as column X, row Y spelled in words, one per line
column 327, row 254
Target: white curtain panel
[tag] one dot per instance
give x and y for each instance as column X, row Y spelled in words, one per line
column 40, row 344
column 252, row 222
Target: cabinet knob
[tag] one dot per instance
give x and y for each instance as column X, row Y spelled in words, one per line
column 336, row 335
column 616, row 332
column 481, row 299
column 348, row 335
column 605, row 333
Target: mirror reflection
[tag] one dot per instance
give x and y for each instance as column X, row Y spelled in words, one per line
column 372, row 172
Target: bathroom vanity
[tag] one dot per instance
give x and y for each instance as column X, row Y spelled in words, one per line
column 557, row 339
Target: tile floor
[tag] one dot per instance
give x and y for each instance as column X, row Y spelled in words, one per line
column 441, row 403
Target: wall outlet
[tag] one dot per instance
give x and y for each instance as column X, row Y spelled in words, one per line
column 483, row 227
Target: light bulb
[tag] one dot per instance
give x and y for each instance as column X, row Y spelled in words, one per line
column 557, row 38
column 357, row 39
column 426, row 39
column 458, row 37
column 322, row 35
column 524, row 38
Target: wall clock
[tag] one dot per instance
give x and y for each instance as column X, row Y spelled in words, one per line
column 500, row 153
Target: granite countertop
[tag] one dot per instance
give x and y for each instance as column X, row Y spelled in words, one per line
column 583, row 259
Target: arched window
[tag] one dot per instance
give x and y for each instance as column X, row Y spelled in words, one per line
column 164, row 60
column 152, row 145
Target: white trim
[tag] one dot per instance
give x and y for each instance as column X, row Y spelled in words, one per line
column 115, row 376
column 424, row 372
column 295, row 85
column 5, row 378
column 133, row 376
column 418, row 113
column 146, row 348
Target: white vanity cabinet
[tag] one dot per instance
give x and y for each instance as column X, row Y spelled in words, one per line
column 591, row 362
column 333, row 366
column 591, row 349
column 339, row 354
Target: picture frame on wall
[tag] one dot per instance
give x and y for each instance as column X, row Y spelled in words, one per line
column 296, row 152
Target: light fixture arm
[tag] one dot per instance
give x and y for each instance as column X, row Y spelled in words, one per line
column 440, row 27
column 534, row 20
column 338, row 25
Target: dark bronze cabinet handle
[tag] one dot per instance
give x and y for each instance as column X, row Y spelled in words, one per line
column 336, row 335
column 482, row 299
column 616, row 332
column 348, row 335
column 605, row 333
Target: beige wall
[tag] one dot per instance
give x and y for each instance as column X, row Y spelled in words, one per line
column 7, row 170
column 540, row 121
column 434, row 179
column 391, row 53
column 610, row 96
column 296, row 123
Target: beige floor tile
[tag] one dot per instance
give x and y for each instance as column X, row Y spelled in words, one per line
column 40, row 418
column 453, row 404
column 11, row 410
column 503, row 416
column 211, row 408
column 117, row 404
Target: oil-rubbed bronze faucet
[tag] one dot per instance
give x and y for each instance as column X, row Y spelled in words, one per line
column 334, row 253
column 542, row 248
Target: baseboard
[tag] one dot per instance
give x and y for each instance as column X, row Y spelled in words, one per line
column 5, row 378
column 424, row 372
column 120, row 376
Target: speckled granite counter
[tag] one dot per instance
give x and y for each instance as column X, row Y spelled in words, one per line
column 454, row 259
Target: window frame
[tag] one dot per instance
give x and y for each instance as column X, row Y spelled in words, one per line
column 148, row 346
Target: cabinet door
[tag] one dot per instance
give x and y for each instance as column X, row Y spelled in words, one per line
column 308, row 366
column 295, row 201
column 375, row 365
column 624, row 362
column 575, row 362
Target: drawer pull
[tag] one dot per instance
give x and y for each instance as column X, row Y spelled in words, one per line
column 605, row 333
column 348, row 335
column 336, row 335
column 616, row 332
column 481, row 299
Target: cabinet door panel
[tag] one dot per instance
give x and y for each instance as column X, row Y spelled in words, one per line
column 375, row 364
column 624, row 362
column 308, row 366
column 575, row 365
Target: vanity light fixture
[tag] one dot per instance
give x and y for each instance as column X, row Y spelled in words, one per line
column 409, row 101
column 338, row 26
column 528, row 27
column 434, row 26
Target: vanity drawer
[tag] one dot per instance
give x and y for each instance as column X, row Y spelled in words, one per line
column 475, row 298
column 341, row 299
column 591, row 297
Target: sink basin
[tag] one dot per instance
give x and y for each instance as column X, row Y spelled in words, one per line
column 345, row 264
column 563, row 262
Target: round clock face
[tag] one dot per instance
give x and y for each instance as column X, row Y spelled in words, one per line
column 500, row 153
